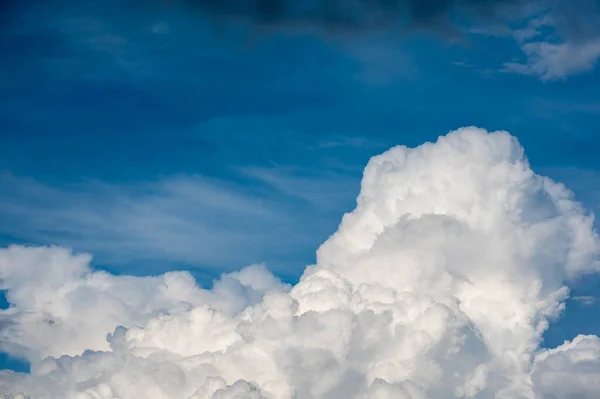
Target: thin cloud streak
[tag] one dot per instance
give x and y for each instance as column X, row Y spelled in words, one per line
column 585, row 300
column 184, row 219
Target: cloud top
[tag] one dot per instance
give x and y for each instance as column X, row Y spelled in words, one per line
column 438, row 285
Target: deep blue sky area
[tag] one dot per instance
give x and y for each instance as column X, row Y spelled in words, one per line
column 163, row 137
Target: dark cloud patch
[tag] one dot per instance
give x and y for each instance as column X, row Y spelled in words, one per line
column 7, row 9
column 347, row 15
column 576, row 21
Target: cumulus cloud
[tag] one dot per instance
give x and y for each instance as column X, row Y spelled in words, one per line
column 570, row 371
column 60, row 306
column 438, row 285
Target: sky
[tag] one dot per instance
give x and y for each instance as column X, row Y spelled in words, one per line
column 209, row 136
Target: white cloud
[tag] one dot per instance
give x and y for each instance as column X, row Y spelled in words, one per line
column 551, row 61
column 438, row 285
column 570, row 371
column 557, row 39
column 60, row 306
column 563, row 41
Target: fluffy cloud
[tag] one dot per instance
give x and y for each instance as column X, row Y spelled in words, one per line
column 438, row 285
column 60, row 306
column 570, row 371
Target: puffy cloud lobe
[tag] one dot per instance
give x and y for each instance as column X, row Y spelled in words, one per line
column 570, row 371
column 218, row 388
column 60, row 306
column 438, row 285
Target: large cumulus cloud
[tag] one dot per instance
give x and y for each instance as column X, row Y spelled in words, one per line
column 438, row 285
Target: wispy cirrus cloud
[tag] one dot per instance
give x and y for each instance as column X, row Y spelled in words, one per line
column 552, row 107
column 182, row 219
column 584, row 300
column 325, row 190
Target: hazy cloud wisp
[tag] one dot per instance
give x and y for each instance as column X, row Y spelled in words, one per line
column 191, row 219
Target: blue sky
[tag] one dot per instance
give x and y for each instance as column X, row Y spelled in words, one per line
column 157, row 139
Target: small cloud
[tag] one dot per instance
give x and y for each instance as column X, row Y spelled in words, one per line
column 554, row 48
column 584, row 300
column 550, row 108
column 492, row 30
column 349, row 141
column 462, row 64
column 533, row 28
column 161, row 28
column 555, row 61
column 381, row 63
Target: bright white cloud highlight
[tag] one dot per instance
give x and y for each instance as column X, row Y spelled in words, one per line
column 438, row 285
